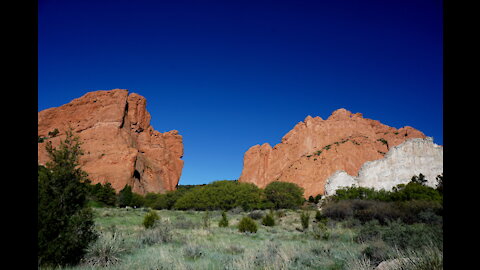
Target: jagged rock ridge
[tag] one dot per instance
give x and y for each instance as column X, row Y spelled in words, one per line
column 119, row 144
column 315, row 148
column 410, row 158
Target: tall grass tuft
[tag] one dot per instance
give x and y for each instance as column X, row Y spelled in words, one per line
column 429, row 257
column 160, row 232
column 106, row 251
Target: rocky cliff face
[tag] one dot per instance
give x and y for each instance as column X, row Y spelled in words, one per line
column 315, row 149
column 410, row 158
column 119, row 144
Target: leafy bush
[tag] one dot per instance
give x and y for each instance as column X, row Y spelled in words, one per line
column 222, row 195
column 137, row 200
column 224, row 221
column 105, row 194
column 414, row 190
column 268, row 220
column 247, row 224
column 65, row 222
column 284, row 194
column 150, row 219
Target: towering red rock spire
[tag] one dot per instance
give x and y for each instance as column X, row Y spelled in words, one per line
column 316, row 148
column 119, row 144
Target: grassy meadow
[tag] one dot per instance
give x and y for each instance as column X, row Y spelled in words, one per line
column 192, row 240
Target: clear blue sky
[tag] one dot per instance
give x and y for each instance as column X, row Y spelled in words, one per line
column 231, row 74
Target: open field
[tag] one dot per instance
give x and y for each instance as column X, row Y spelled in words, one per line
column 181, row 241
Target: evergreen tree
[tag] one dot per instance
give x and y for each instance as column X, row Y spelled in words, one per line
column 420, row 179
column 65, row 223
column 125, row 196
column 224, row 221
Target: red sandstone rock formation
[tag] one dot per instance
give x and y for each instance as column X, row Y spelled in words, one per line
column 316, row 148
column 119, row 144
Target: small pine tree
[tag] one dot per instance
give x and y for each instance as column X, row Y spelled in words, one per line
column 125, row 196
column 247, row 225
column 150, row 219
column 420, row 179
column 224, row 221
column 65, row 222
column 304, row 219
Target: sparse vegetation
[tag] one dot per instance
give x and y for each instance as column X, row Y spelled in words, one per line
column 358, row 228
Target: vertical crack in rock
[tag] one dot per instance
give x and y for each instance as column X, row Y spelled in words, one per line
column 125, row 114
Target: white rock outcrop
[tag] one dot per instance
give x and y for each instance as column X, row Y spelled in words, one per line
column 410, row 158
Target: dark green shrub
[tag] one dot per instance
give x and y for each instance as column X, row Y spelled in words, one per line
column 284, row 194
column 150, row 219
column 338, row 210
column 247, row 224
column 224, row 221
column 365, row 210
column 319, row 217
column 420, row 179
column 125, row 196
column 137, row 200
column 65, row 223
column 104, row 194
column 415, row 191
column 304, row 219
column 268, row 220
